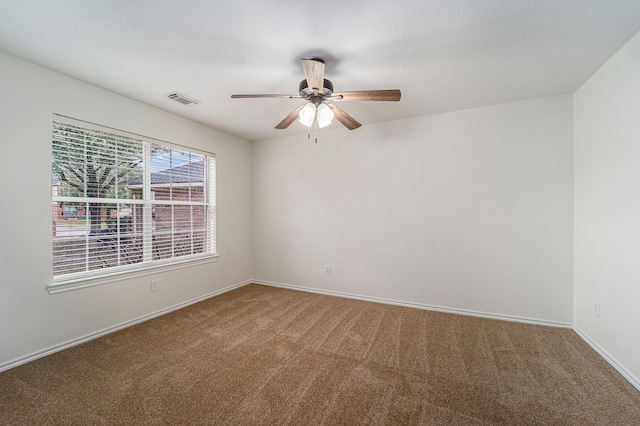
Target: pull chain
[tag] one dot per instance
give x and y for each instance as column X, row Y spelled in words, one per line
column 315, row 125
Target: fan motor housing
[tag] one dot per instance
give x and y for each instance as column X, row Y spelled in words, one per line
column 305, row 92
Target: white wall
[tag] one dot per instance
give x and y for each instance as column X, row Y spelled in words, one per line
column 471, row 210
column 468, row 210
column 607, row 207
column 32, row 320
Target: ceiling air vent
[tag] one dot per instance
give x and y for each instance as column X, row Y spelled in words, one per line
column 183, row 99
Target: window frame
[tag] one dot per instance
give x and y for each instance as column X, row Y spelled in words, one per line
column 148, row 266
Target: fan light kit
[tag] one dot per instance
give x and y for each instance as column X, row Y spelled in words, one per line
column 318, row 92
column 322, row 114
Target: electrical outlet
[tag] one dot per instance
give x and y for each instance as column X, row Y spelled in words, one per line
column 596, row 309
column 154, row 285
column 327, row 269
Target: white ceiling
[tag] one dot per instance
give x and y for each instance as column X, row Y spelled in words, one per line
column 443, row 55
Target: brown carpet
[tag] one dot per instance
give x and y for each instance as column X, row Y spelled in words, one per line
column 262, row 355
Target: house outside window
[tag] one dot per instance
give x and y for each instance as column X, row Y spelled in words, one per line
column 123, row 202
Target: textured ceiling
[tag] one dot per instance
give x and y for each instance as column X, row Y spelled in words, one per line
column 443, row 55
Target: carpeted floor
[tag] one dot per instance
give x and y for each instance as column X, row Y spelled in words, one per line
column 262, row 355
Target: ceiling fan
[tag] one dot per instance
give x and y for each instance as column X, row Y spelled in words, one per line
column 319, row 94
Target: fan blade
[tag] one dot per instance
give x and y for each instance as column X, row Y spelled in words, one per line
column 264, row 95
column 370, row 95
column 290, row 118
column 314, row 73
column 348, row 121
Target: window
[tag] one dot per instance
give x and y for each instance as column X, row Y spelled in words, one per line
column 70, row 211
column 123, row 202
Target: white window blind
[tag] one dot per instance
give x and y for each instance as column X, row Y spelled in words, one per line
column 122, row 201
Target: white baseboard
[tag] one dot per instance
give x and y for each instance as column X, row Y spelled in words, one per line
column 419, row 305
column 57, row 348
column 607, row 357
column 109, row 330
column 603, row 353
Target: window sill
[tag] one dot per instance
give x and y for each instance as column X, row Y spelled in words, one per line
column 64, row 285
